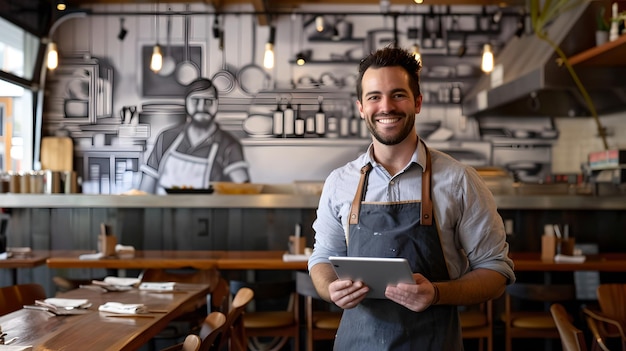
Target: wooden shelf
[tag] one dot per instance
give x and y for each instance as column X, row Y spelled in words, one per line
column 611, row 53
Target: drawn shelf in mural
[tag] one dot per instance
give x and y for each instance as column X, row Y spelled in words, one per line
column 79, row 92
column 157, row 85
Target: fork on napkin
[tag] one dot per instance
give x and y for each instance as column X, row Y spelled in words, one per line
column 123, row 308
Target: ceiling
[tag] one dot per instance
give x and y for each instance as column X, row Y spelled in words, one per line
column 286, row 6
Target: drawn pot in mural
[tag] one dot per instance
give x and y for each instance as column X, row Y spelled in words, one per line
column 187, row 71
column 76, row 108
column 252, row 77
column 224, row 80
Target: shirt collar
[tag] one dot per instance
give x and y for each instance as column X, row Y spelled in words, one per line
column 418, row 157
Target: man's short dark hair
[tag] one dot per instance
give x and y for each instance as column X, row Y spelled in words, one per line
column 390, row 57
column 200, row 84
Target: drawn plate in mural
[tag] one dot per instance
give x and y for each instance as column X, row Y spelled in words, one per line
column 209, row 190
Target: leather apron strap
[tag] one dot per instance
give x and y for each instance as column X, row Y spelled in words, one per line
column 426, row 211
column 359, row 197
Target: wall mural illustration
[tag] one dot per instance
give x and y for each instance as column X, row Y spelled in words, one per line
column 196, row 153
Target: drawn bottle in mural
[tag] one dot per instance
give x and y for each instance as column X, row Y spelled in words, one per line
column 344, row 125
column 299, row 123
column 289, row 119
column 309, row 122
column 354, row 124
column 320, row 118
column 278, row 120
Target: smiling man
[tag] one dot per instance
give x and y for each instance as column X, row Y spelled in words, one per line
column 402, row 199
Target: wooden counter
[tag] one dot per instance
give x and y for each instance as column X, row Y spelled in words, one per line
column 284, row 201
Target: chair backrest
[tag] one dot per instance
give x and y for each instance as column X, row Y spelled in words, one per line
column 596, row 324
column 14, row 297
column 612, row 301
column 212, row 330
column 266, row 290
column 572, row 338
column 304, row 285
column 321, row 321
column 234, row 332
column 191, row 343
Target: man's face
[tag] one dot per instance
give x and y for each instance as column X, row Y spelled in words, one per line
column 388, row 105
column 202, row 107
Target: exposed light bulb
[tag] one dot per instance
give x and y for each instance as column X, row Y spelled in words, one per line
column 156, row 62
column 52, row 60
column 487, row 63
column 418, row 1
column 268, row 58
column 300, row 61
column 416, row 52
column 61, row 6
column 319, row 23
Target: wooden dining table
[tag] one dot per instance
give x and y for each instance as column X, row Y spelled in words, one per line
column 29, row 259
column 603, row 262
column 199, row 259
column 274, row 260
column 102, row 331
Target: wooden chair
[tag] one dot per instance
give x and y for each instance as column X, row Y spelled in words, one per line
column 14, row 297
column 191, row 343
column 477, row 323
column 275, row 316
column 234, row 334
column 611, row 318
column 321, row 324
column 190, row 321
column 572, row 338
column 212, row 330
column 526, row 310
column 598, row 338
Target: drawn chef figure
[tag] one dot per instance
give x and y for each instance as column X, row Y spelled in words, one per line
column 197, row 152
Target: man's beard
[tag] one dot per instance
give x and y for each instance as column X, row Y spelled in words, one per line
column 393, row 139
column 202, row 122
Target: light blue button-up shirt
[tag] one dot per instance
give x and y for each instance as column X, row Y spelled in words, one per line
column 470, row 227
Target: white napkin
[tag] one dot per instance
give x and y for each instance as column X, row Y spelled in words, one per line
column 63, row 303
column 93, row 256
column 158, row 286
column 123, row 308
column 121, row 281
column 287, row 257
column 569, row 259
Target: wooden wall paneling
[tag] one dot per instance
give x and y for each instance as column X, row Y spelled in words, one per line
column 154, row 224
column 130, row 226
column 218, row 229
column 234, row 230
column 18, row 233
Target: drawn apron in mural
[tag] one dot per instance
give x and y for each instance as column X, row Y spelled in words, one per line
column 396, row 230
column 179, row 169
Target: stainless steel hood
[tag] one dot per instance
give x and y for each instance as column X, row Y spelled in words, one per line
column 527, row 81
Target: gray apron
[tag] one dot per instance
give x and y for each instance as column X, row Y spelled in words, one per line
column 395, row 230
column 180, row 169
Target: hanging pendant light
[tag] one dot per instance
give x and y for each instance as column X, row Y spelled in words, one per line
column 487, row 63
column 416, row 52
column 52, row 59
column 156, row 61
column 319, row 24
column 268, row 57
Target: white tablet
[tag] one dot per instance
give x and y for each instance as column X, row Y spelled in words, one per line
column 375, row 272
